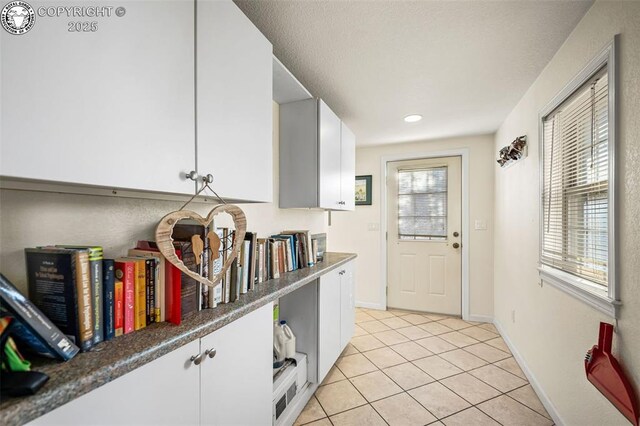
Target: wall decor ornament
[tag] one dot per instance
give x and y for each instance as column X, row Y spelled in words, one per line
column 516, row 150
column 363, row 190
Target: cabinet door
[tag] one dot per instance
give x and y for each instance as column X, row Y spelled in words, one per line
column 347, row 168
column 329, row 309
column 237, row 383
column 234, row 102
column 329, row 154
column 111, row 108
column 347, row 303
column 163, row 392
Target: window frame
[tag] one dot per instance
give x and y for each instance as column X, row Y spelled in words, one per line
column 606, row 301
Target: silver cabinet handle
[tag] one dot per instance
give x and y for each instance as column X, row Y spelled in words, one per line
column 193, row 175
column 211, row 352
column 341, row 272
column 197, row 359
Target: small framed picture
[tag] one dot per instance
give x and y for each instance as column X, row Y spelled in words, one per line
column 363, row 190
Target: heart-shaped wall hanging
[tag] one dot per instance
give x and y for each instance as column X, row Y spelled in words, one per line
column 164, row 239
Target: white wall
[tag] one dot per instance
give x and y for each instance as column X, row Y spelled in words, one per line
column 28, row 219
column 349, row 230
column 552, row 331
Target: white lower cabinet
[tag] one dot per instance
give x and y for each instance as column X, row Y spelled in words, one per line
column 174, row 390
column 237, row 383
column 336, row 315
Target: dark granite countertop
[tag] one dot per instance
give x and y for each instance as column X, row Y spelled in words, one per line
column 110, row 360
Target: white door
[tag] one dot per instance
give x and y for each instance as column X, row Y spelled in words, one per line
column 328, row 322
column 424, row 235
column 112, row 107
column 234, row 102
column 329, row 165
column 348, row 168
column 236, row 385
column 347, row 313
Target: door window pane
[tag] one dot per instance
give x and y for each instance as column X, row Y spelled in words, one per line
column 422, row 204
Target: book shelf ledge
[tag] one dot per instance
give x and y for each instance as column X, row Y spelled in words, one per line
column 112, row 359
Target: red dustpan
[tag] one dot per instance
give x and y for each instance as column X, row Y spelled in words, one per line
column 604, row 371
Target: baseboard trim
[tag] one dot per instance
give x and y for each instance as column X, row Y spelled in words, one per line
column 369, row 305
column 480, row 318
column 548, row 405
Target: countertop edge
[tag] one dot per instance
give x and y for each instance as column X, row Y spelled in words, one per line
column 22, row 410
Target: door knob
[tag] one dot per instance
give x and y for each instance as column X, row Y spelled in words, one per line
column 197, row 359
column 210, row 352
column 456, row 245
column 456, row 234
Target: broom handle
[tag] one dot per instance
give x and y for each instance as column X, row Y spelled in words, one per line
column 606, row 337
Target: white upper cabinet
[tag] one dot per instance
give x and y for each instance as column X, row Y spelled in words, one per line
column 112, row 107
column 234, row 102
column 317, row 157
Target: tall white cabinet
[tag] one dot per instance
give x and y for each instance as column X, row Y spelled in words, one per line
column 317, row 157
column 234, row 102
column 111, row 108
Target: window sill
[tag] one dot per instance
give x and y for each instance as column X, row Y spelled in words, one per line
column 581, row 290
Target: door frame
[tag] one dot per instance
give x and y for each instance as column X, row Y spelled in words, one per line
column 459, row 152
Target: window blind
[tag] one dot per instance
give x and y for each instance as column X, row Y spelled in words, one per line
column 422, row 204
column 575, row 193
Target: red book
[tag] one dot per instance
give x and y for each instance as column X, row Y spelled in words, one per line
column 125, row 272
column 172, row 282
column 118, row 307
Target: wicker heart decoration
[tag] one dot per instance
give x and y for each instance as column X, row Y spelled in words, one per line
column 164, row 239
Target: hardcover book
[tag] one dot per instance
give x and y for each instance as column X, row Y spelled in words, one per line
column 108, row 299
column 160, row 278
column 126, row 272
column 32, row 327
column 60, row 286
column 119, row 308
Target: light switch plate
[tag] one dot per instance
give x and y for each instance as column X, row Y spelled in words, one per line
column 481, row 225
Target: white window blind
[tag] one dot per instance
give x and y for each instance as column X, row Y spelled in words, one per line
column 575, row 193
column 422, row 204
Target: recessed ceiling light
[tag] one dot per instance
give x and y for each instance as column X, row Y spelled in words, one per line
column 413, row 118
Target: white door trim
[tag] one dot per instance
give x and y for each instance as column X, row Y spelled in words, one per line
column 461, row 152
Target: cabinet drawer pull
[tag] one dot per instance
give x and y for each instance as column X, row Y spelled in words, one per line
column 193, row 175
column 197, row 359
column 211, row 352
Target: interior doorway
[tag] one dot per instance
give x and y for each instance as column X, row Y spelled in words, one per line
column 424, row 234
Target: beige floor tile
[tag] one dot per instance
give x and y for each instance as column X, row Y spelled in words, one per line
column 437, row 367
column 399, row 312
column 510, row 412
column 416, row 319
column 402, row 410
column 486, row 352
column 487, row 326
column 373, row 326
column 436, row 344
column 334, row 375
column 479, row 333
column 312, row 412
column 413, row 332
column 498, row 378
column 338, row 397
column 470, row 417
column 499, row 344
column 390, row 337
column 463, row 359
column 527, row 396
column 408, row 376
column 349, row 350
column 358, row 331
column 395, row 322
column 354, row 365
column 322, row 422
column 435, row 317
column 384, row 357
column 366, row 343
column 411, row 350
column 458, row 339
column 511, row 365
column 375, row 386
column 455, row 323
column 357, row 417
column 473, row 390
column 439, row 400
column 377, row 314
column 435, row 328
column 363, row 316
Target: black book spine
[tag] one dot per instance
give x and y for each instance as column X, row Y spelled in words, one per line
column 108, row 286
column 150, row 290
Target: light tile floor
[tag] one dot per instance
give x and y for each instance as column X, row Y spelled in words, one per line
column 406, row 368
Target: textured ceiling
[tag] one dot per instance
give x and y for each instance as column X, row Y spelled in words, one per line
column 463, row 65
